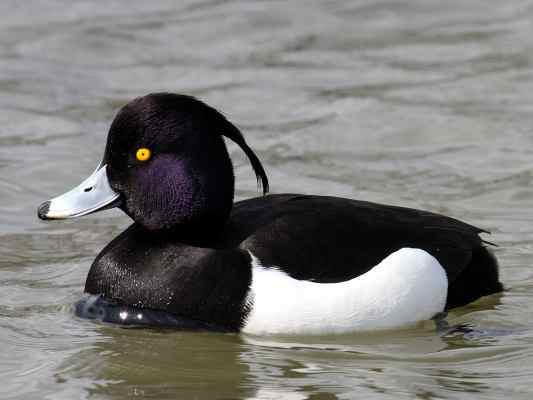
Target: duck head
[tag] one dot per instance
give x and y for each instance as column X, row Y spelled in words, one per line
column 165, row 165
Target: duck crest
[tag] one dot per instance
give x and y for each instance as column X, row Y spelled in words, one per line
column 188, row 182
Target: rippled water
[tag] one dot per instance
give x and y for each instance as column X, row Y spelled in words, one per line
column 420, row 103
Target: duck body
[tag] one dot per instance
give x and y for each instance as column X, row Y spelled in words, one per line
column 353, row 256
column 276, row 264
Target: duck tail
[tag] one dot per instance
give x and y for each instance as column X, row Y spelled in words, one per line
column 479, row 278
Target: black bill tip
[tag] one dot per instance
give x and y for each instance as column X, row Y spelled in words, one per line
column 43, row 209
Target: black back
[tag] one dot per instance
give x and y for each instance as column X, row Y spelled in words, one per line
column 330, row 239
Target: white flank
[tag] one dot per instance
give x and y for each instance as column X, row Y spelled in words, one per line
column 408, row 286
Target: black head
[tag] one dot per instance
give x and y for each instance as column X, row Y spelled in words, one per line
column 184, row 176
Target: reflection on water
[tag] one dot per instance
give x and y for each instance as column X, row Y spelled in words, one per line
column 155, row 364
column 159, row 364
column 419, row 103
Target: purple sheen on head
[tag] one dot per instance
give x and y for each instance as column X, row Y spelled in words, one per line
column 163, row 194
column 188, row 183
column 170, row 192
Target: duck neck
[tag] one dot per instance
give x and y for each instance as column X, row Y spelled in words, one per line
column 197, row 235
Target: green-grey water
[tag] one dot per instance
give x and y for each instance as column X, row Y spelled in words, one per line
column 426, row 104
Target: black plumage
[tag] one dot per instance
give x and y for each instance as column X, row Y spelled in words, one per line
column 188, row 252
column 321, row 239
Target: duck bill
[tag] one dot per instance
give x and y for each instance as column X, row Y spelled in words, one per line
column 92, row 195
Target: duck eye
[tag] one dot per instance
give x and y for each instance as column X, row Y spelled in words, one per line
column 143, row 154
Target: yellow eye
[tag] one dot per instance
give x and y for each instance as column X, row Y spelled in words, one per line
column 143, row 154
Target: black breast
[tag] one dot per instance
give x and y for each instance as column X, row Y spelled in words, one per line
column 149, row 271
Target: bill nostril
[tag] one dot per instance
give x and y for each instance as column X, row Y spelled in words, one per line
column 43, row 209
column 88, row 189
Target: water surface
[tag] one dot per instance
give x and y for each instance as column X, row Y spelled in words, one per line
column 419, row 103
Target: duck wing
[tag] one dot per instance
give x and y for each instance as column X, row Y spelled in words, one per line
column 330, row 239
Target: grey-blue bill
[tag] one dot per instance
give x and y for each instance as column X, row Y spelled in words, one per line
column 93, row 194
